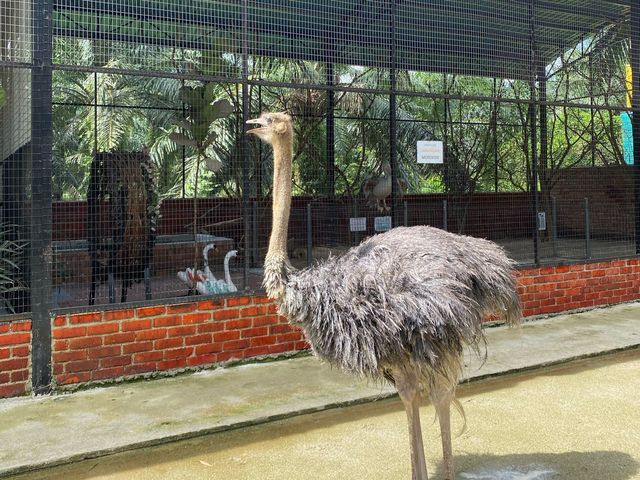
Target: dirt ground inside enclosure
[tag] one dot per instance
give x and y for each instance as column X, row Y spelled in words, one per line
column 72, row 294
column 579, row 421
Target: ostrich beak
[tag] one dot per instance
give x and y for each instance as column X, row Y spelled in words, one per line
column 257, row 121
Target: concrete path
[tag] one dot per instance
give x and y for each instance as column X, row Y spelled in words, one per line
column 39, row 432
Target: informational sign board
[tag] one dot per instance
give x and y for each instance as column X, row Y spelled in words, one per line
column 430, row 151
column 542, row 221
column 358, row 224
column 382, row 224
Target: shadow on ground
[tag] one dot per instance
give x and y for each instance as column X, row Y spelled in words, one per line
column 610, row 465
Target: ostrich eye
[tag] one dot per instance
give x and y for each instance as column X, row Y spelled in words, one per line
column 269, row 120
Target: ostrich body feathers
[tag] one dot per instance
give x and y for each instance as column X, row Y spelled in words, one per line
column 417, row 294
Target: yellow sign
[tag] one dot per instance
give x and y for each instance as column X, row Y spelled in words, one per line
column 629, row 85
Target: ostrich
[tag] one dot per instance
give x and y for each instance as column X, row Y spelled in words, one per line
column 400, row 306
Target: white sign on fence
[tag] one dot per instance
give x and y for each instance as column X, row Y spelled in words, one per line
column 430, row 151
column 542, row 221
column 382, row 224
column 358, row 224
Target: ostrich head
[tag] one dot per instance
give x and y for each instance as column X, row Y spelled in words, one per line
column 273, row 128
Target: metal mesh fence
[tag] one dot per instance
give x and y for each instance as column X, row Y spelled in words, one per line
column 124, row 159
column 16, row 54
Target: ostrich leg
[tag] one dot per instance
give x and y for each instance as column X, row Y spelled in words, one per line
column 409, row 391
column 442, row 394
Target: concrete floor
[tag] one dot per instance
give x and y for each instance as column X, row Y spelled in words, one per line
column 45, row 431
column 578, row 421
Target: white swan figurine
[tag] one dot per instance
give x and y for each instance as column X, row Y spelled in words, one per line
column 204, row 281
column 227, row 276
column 205, row 253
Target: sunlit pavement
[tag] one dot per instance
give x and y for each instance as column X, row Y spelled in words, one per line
column 580, row 421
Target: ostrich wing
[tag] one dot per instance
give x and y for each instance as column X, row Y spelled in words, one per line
column 414, row 292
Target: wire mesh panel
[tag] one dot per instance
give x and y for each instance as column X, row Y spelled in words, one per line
column 148, row 156
column 476, row 39
column 197, row 38
column 15, row 187
column 153, row 183
column 16, row 53
column 16, row 32
column 302, row 35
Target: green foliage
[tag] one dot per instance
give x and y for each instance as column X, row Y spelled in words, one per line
column 201, row 113
column 77, row 133
column 2, row 97
column 10, row 252
column 471, row 129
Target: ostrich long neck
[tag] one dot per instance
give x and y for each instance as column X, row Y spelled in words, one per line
column 277, row 264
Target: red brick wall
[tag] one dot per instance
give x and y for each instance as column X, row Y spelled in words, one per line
column 569, row 287
column 15, row 341
column 111, row 344
column 118, row 343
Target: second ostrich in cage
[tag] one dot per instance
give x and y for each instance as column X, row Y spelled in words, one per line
column 123, row 212
column 400, row 306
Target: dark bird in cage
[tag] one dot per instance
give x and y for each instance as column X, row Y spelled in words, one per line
column 400, row 306
column 123, row 211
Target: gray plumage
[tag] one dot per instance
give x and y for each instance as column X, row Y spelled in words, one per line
column 401, row 306
column 416, row 293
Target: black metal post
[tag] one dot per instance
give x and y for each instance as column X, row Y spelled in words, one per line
column 331, row 131
column 245, row 143
column 587, row 229
column 41, row 230
column 259, row 157
column 542, row 95
column 95, row 114
column 494, row 134
column 533, row 104
column 445, row 134
column 405, row 209
column 445, row 216
column 635, row 110
column 254, row 260
column 393, row 123
column 543, row 172
column 309, row 236
column 592, row 123
column 331, row 213
column 554, row 227
column 183, row 150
